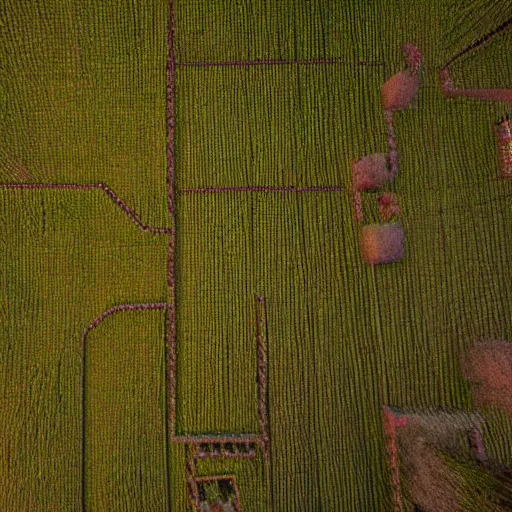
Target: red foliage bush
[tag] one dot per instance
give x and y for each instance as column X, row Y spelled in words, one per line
column 488, row 366
column 388, row 207
column 371, row 172
column 400, row 90
column 382, row 243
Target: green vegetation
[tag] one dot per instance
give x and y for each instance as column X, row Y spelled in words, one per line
column 82, row 100
column 483, row 489
column 67, row 257
column 83, row 97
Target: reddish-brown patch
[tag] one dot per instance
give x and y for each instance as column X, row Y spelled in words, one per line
column 487, row 365
column 400, row 91
column 504, row 139
column 388, row 207
column 382, row 243
column 371, row 172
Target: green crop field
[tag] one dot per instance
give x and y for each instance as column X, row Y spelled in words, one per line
column 83, row 101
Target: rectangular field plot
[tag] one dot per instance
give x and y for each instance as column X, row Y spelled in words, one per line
column 321, row 339
column 277, row 29
column 67, row 257
column 276, row 125
column 126, row 442
column 250, row 487
column 216, row 317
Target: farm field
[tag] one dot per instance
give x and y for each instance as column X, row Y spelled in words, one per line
column 271, row 102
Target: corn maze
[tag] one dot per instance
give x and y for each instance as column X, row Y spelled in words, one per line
column 187, row 321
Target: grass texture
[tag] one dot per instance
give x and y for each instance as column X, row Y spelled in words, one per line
column 83, row 100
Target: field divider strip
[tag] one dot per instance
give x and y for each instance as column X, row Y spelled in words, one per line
column 277, row 62
column 190, row 470
column 170, row 345
column 219, row 439
column 263, row 403
column 261, row 339
column 261, row 189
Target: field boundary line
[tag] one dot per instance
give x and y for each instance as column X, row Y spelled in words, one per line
column 171, row 316
column 130, row 212
column 261, row 340
column 170, row 345
column 217, row 439
column 278, row 62
column 190, row 471
column 263, row 393
column 262, row 189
